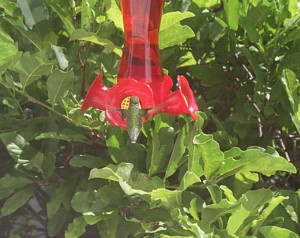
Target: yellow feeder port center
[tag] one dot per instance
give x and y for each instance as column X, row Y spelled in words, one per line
column 125, row 103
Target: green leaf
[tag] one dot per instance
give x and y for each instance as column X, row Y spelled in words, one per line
column 36, row 162
column 153, row 156
column 60, row 56
column 108, row 228
column 166, row 198
column 76, row 228
column 170, row 26
column 130, row 180
column 61, row 194
column 88, row 161
column 212, row 212
column 177, row 153
column 255, row 200
column 87, row 13
column 252, row 33
column 94, row 218
column 275, row 201
column 114, row 13
column 232, row 9
column 161, row 145
column 122, row 150
column 211, row 154
column 83, row 35
column 194, row 153
column 59, row 82
column 9, row 184
column 187, row 180
column 215, row 193
column 116, row 143
column 250, row 160
column 32, row 67
column 17, row 200
column 292, row 87
column 63, row 12
column 31, row 36
column 275, row 232
column 173, row 18
column 57, row 221
column 207, row 3
column 8, row 50
column 15, row 144
column 113, row 172
column 33, row 11
column 110, row 194
column 9, row 7
column 86, row 201
column 141, row 182
column 193, row 209
column 210, row 74
column 66, row 135
column 289, row 62
column 292, row 36
column 48, row 165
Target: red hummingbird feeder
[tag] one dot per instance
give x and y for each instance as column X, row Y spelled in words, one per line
column 140, row 72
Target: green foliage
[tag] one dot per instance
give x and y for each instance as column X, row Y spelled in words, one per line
column 230, row 174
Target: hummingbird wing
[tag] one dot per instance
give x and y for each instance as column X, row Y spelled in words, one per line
column 124, row 112
column 144, row 112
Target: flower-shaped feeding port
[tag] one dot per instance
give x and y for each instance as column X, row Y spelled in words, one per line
column 142, row 90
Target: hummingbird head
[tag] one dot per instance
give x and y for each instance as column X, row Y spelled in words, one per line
column 134, row 100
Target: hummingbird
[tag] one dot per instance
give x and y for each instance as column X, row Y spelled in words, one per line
column 134, row 118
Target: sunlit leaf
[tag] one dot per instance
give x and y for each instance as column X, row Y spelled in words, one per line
column 232, row 9
column 187, row 180
column 255, row 200
column 8, row 50
column 165, row 198
column 170, row 26
column 249, row 160
column 114, row 13
column 275, row 231
column 15, row 144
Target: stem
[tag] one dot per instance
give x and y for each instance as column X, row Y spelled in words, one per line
column 33, row 100
column 82, row 66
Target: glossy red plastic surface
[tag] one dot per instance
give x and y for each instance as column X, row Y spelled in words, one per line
column 96, row 95
column 141, row 56
column 178, row 102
